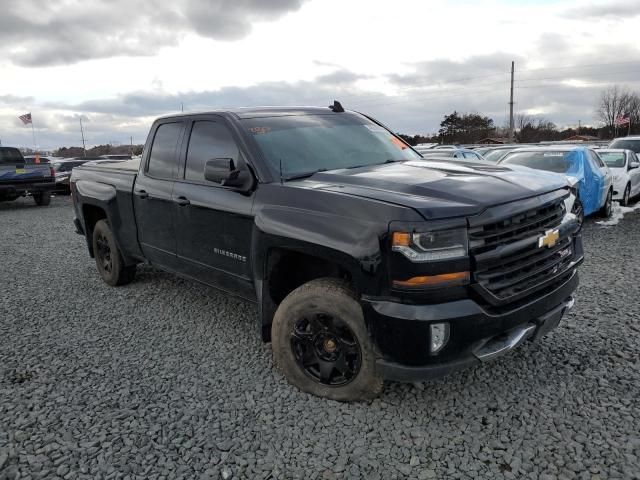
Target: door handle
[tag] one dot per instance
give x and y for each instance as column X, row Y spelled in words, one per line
column 142, row 194
column 182, row 201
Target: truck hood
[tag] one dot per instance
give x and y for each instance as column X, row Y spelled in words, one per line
column 438, row 190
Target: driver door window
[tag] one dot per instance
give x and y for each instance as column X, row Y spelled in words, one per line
column 208, row 140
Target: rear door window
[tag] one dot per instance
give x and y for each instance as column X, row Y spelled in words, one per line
column 208, row 140
column 596, row 160
column 162, row 159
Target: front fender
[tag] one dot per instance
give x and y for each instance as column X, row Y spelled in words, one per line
column 352, row 243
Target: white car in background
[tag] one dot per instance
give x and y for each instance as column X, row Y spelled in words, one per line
column 625, row 167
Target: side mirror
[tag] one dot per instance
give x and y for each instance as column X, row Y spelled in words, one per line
column 634, row 165
column 225, row 172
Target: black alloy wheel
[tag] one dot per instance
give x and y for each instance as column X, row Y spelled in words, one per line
column 109, row 261
column 326, row 349
column 104, row 253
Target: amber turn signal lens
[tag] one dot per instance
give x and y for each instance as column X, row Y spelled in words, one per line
column 457, row 278
column 400, row 239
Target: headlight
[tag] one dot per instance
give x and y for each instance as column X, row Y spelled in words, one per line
column 431, row 246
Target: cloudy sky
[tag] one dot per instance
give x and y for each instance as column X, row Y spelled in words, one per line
column 121, row 63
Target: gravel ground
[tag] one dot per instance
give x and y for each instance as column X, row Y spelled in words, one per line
column 165, row 378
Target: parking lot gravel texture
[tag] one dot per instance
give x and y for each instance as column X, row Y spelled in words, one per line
column 165, row 378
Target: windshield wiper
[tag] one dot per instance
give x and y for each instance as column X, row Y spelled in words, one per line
column 374, row 164
column 298, row 176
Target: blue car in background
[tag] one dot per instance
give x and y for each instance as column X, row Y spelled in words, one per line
column 586, row 173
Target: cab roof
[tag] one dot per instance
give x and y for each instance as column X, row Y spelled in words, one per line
column 259, row 112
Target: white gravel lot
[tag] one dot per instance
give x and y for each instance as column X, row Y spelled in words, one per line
column 165, row 378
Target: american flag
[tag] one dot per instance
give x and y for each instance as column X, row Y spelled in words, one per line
column 622, row 120
column 26, row 118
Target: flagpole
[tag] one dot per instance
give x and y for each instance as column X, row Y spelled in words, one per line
column 33, row 133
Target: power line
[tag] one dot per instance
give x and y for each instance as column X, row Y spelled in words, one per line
column 589, row 65
column 595, row 74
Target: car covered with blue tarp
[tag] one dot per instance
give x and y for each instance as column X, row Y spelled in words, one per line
column 589, row 177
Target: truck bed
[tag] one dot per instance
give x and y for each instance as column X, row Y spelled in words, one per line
column 115, row 165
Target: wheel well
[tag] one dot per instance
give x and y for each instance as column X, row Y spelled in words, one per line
column 286, row 271
column 91, row 215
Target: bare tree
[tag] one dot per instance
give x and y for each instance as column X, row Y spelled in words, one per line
column 522, row 120
column 613, row 102
column 633, row 108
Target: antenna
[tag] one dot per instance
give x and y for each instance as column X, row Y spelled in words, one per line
column 336, row 107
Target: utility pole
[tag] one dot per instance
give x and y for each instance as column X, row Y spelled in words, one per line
column 131, row 139
column 84, row 147
column 511, row 106
column 579, row 125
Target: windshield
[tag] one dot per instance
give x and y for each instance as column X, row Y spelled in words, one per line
column 439, row 153
column 543, row 160
column 626, row 144
column 495, row 155
column 304, row 144
column 613, row 159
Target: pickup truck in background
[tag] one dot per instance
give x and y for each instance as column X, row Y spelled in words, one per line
column 366, row 262
column 19, row 178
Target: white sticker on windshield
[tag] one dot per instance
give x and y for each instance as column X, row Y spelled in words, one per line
column 553, row 154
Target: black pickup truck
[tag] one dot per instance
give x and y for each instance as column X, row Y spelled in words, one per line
column 19, row 178
column 366, row 261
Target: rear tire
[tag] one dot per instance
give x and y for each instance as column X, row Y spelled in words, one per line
column 321, row 343
column 626, row 195
column 108, row 258
column 42, row 199
column 605, row 211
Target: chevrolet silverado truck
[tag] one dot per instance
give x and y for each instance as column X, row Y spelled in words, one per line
column 19, row 178
column 366, row 262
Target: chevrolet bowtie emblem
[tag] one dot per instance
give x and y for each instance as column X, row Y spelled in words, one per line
column 549, row 239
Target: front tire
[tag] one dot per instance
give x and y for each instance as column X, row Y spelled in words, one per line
column 321, row 343
column 42, row 199
column 578, row 211
column 626, row 195
column 605, row 211
column 108, row 258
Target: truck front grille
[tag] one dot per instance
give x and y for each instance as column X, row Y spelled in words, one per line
column 507, row 261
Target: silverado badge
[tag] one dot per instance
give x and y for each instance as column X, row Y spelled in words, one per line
column 549, row 239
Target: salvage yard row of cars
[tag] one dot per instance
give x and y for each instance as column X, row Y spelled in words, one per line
column 40, row 176
column 366, row 262
column 597, row 176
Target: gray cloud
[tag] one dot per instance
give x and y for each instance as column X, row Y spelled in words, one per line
column 443, row 71
column 616, row 10
column 431, row 90
column 49, row 32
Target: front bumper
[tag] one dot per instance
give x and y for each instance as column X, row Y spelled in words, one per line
column 402, row 331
